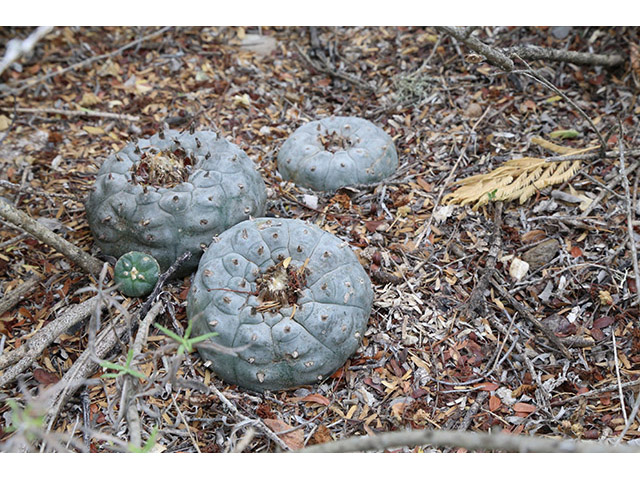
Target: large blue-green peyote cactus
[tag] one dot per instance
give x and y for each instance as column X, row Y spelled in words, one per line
column 290, row 299
column 171, row 193
column 335, row 152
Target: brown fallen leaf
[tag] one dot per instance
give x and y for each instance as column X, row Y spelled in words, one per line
column 522, row 407
column 494, row 403
column 322, row 435
column 313, row 397
column 294, row 439
column 44, row 377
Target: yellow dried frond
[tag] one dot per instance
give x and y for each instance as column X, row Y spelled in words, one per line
column 519, row 178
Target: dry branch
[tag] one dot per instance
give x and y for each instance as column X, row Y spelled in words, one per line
column 473, row 441
column 32, row 348
column 20, row 219
column 74, row 113
column 532, row 53
column 503, row 58
column 85, row 366
column 131, row 408
column 11, row 299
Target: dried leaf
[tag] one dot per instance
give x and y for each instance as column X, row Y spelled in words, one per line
column 314, row 397
column 4, row 123
column 322, row 435
column 44, row 377
column 494, row 403
column 93, row 130
column 294, row 439
column 603, row 322
column 522, row 407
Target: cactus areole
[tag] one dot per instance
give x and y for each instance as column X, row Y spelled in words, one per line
column 171, row 193
column 335, row 152
column 136, row 274
column 289, row 301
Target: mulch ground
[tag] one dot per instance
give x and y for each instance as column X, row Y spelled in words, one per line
column 428, row 360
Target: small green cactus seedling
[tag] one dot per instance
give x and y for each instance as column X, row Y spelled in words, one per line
column 136, row 274
column 290, row 301
column 172, row 193
column 335, row 152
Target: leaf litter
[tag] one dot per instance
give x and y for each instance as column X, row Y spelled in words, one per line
column 423, row 364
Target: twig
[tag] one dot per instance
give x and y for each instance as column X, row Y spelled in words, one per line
column 475, row 299
column 84, row 366
column 464, row 425
column 162, row 279
column 627, row 193
column 597, row 392
column 617, row 365
column 630, row 420
column 11, row 298
column 75, row 113
column 81, row 258
column 32, row 82
column 610, row 185
column 325, row 68
column 256, row 421
column 34, row 191
column 17, row 48
column 133, row 417
column 468, row 440
column 543, row 81
column 186, row 424
column 531, row 318
column 32, row 348
column 492, row 55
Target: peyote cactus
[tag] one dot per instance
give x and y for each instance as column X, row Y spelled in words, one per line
column 335, row 152
column 171, row 193
column 291, row 300
column 136, row 273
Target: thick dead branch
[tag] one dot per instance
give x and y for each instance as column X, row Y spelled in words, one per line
column 20, row 219
column 503, row 58
column 32, row 348
column 493, row 56
column 469, row 440
column 11, row 299
column 532, row 53
column 74, row 113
